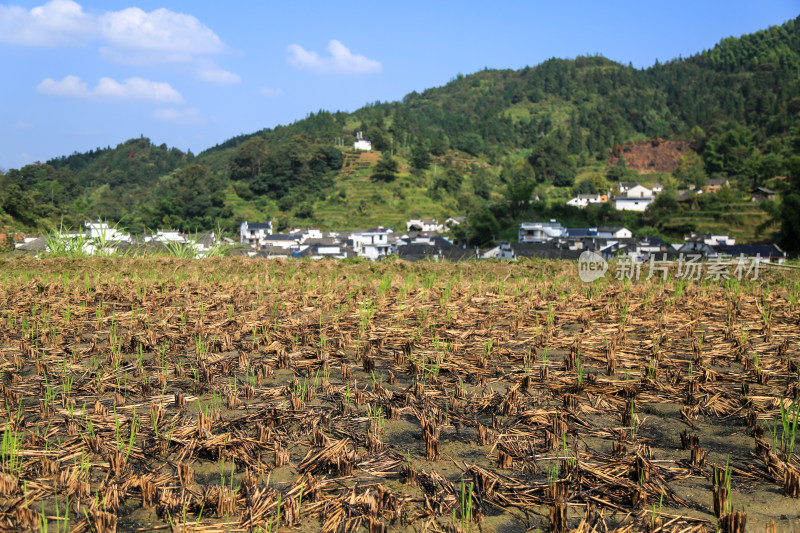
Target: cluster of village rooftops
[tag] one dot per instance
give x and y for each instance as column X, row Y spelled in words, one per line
column 423, row 238
column 636, row 197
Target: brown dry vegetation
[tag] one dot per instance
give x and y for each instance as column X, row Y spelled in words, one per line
column 242, row 395
column 655, row 155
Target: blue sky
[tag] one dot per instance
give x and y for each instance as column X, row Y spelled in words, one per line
column 88, row 74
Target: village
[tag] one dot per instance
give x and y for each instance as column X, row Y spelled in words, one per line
column 427, row 239
column 421, row 239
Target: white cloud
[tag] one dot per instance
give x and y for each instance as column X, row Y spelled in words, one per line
column 63, row 22
column 161, row 30
column 183, row 117
column 143, row 59
column 22, row 125
column 210, row 72
column 340, row 61
column 58, row 22
column 68, row 86
column 130, row 89
column 130, row 36
column 137, row 89
column 266, row 91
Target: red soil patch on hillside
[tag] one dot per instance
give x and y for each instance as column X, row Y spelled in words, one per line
column 369, row 157
column 655, row 155
column 358, row 161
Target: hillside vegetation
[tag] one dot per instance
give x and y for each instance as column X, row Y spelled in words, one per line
column 484, row 145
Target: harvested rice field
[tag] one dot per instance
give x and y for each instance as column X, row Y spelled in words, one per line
column 156, row 394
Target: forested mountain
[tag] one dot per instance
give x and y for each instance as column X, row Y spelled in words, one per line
column 484, row 144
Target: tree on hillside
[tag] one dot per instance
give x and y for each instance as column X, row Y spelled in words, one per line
column 482, row 227
column 386, row 169
column 520, row 183
column 420, row 157
column 199, row 195
column 378, row 138
column 551, row 162
column 19, row 204
column 480, row 184
column 439, row 144
column 663, row 205
column 247, row 162
column 576, row 144
column 690, row 170
column 790, row 210
column 760, row 168
column 447, row 183
column 297, row 164
column 593, row 184
column 472, row 143
column 727, row 150
column 618, row 171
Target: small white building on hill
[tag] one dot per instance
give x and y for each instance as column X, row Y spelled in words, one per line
column 361, row 143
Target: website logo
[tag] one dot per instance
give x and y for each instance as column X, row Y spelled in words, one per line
column 591, row 266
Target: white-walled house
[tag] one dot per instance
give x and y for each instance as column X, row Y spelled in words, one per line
column 307, row 233
column 635, row 197
column 452, row 222
column 425, row 225
column 101, row 231
column 321, row 251
column 627, row 203
column 284, row 241
column 614, row 232
column 711, row 239
column 166, row 235
column 254, row 233
column 372, row 244
column 541, row 231
column 582, row 200
column 637, row 191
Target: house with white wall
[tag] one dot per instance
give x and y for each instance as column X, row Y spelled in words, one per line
column 625, row 203
column 425, row 225
column 613, row 232
column 321, row 251
column 711, row 239
column 541, row 231
column 102, row 231
column 166, row 236
column 637, row 191
column 372, row 244
column 281, row 240
column 582, row 200
column 307, row 233
column 452, row 222
column 254, row 233
column 635, row 197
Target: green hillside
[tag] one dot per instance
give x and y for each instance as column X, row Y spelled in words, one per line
column 484, row 145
